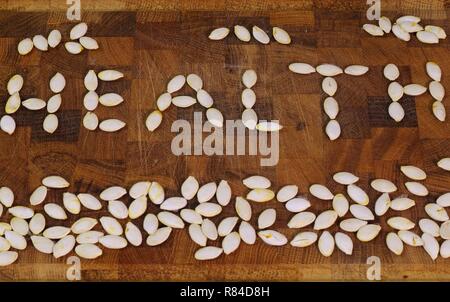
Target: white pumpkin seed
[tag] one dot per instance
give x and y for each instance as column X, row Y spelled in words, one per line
column 113, row 193
column 267, row 218
column 21, row 212
column 333, row 130
column 344, row 243
column 260, row 195
column 331, row 107
column 34, row 104
column 171, row 220
column 137, row 207
column 329, row 70
column 3, row 227
column 113, row 242
column 286, row 193
column 40, row 42
column 227, row 225
column 361, row 212
column 219, row 33
column 91, row 81
column 89, row 43
column 110, row 75
column 153, row 120
column 413, row 172
column 8, row 257
column 256, row 182
column 272, row 237
column 340, row 204
column 78, row 31
column 329, row 86
column 16, row 240
column 444, row 230
column 326, row 244
column 215, row 117
column 57, row 83
column 90, row 121
column 208, row 253
column 383, row 185
column 429, row 226
column 249, row 119
column 38, row 195
column 54, row 103
column 395, row 91
column 368, row 232
column 437, row 30
column 427, row 37
column 385, row 24
column 191, row 216
column 223, row 193
column 394, row 243
column 37, row 223
column 345, row 178
column 55, row 182
column 110, row 99
column 281, row 36
column 54, row 38
column 248, row 98
column 88, row 251
column 249, row 78
column 436, row 212
column 444, row 200
column 410, row 238
column 414, row 89
column 357, row 194
column 15, row 84
column 63, row 246
column 42, row 244
column 437, row 91
column 247, row 232
column 445, row 249
column 321, row 192
column 25, row 46
column 356, row 70
column 71, row 203
column 209, row 229
column 304, row 239
column 176, row 83
column 268, row 126
column 407, row 18
column 139, row 189
column 111, row 225
column 111, row 125
column 89, row 201
column 133, row 234
column 20, row 226
column 382, row 204
column 50, row 123
column 183, row 101
column 402, row 203
column 156, row 193
column 400, row 33
column 6, row 196
column 439, row 111
column 325, row 220
column 204, row 98
column 416, row 188
column 194, row 81
column 196, row 234
column 7, row 124
column 242, row 33
column 260, row 35
column 189, row 188
column 396, row 111
column 410, row 26
column 301, row 220
column 444, row 163
column 231, row 242
column 301, row 68
column 150, row 223
column 206, row 192
column 159, row 237
column 298, row 204
column 83, row 225
column 13, row 103
column 431, row 245
column 55, row 211
column 163, row 102
column 73, row 47
column 243, row 208
column 400, row 223
column 208, row 209
column 434, row 71
column 173, row 204
column 373, row 30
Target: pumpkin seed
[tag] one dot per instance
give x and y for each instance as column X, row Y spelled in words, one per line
column 90, row 121
column 427, row 37
column 227, row 225
column 321, row 192
column 156, row 193
column 344, row 243
column 325, row 220
column 191, row 216
column 400, row 223
column 444, row 163
column 333, row 130
column 437, row 30
column 286, row 193
column 137, row 207
column 208, row 253
column 223, row 193
column 268, row 126
column 34, row 104
column 57, row 83
column 304, row 239
column 439, row 111
column 444, row 200
column 396, row 111
column 110, row 75
column 242, row 33
column 444, row 230
column 196, row 234
column 183, row 101
column 206, row 192
column 414, row 89
column 54, row 38
column 7, row 124
column 111, row 125
column 395, row 91
column 8, row 257
column 176, row 83
column 248, row 98
column 173, row 204
column 3, row 227
column 113, row 242
column 73, row 47
column 89, row 43
column 150, row 223
column 215, row 117
column 357, row 194
column 301, row 220
column 407, row 18
column 55, row 211
column 50, row 123
column 40, row 42
column 373, row 30
column 260, row 195
column 37, row 223
column 385, row 24
column 209, row 229
column 249, row 78
column 368, row 232
column 204, row 98
column 25, row 46
column 189, row 188
column 231, row 242
column 413, row 172
column 329, row 86
column 113, row 193
column 331, row 107
column 133, row 234
column 21, row 212
column 256, row 182
column 111, row 225
column 272, row 237
column 434, row 71
column 410, row 26
column 20, row 226
column 260, row 35
column 382, row 204
column 163, row 102
column 90, row 100
column 301, row 68
column 243, row 208
column 42, row 244
column 16, row 240
column 416, row 188
column 38, row 195
column 345, row 178
column 281, row 36
column 431, row 245
column 54, row 103
column 383, row 185
column 13, row 103
column 139, row 189
column 445, row 249
column 6, row 196
column 88, row 251
column 15, row 84
column 400, row 33
column 208, row 209
column 78, row 31
column 361, row 212
column 153, row 120
column 194, row 81
column 247, row 233
column 402, row 203
column 329, row 70
column 83, row 225
column 159, row 237
column 429, row 226
column 326, row 244
column 298, row 204
column 89, row 201
column 71, row 203
column 356, row 70
column 171, row 220
column 110, row 99
column 436, row 212
column 394, row 243
column 219, row 33
column 266, row 219
column 63, row 246
column 249, row 119
column 340, row 205
column 410, row 238
column 437, row 91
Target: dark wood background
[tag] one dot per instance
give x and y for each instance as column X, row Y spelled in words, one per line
column 151, row 41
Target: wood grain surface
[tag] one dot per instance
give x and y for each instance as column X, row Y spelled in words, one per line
column 151, row 41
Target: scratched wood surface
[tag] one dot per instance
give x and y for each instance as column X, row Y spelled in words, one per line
column 151, row 41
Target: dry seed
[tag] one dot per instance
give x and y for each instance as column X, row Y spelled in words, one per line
column 249, row 119
column 208, row 253
column 50, row 123
column 344, row 243
column 83, row 225
column 34, row 104
column 227, row 225
column 55, row 211
column 427, row 37
column 391, row 72
column 400, row 223
column 8, row 257
column 16, row 240
column 340, row 205
column 6, row 196
column 209, row 229
column 159, row 237
column 368, row 232
column 223, row 193
column 357, row 194
column 394, row 243
column 90, row 121
column 325, row 220
column 110, row 99
column 416, row 188
column 373, row 30
column 260, row 35
column 54, row 103
column 436, row 212
column 301, row 220
column 407, row 18
column 298, row 204
column 91, row 80
column 90, row 237
column 247, row 232
column 173, row 204
column 176, row 83
column 113, row 242
column 385, row 24
column 89, row 201
column 281, row 36
column 15, row 84
column 113, row 193
column 331, row 107
column 55, row 182
column 88, row 251
column 414, row 89
column 133, row 234
column 304, row 239
column 25, row 46
column 37, row 223
column 356, row 70
column 13, row 103
column 204, row 98
column 242, row 33
column 219, row 33
column 215, row 117
column 439, row 111
column 21, row 212
column 156, row 193
column 249, row 78
column 20, row 226
column 410, row 238
column 231, row 242
column 333, row 130
column 445, row 249
column 189, row 188
column 329, row 86
column 444, row 163
column 208, row 209
column 413, row 172
column 194, row 81
column 183, row 101
column 437, row 30
column 396, row 111
column 345, row 178
column 7, row 124
column 402, row 203
column 171, row 220
column 395, row 91
column 429, row 226
column 400, row 33
column 266, row 219
column 206, row 192
column 90, row 100
column 78, row 31
column 286, row 193
column 248, row 98
column 40, row 42
column 321, row 192
column 54, row 38
column 383, row 185
column 361, row 212
column 137, row 207
column 272, row 237
column 163, row 102
column 268, row 126
column 110, row 75
column 3, row 227
column 444, row 230
column 153, row 120
column 73, row 47
column 57, row 83
column 301, row 68
column 410, row 26
column 191, row 216
column 437, row 91
column 431, row 245
column 434, row 71
column 326, row 244
column 382, row 204
column 243, row 208
column 111, row 225
column 329, row 70
column 111, row 125
column 260, row 195
column 42, row 244
column 444, row 200
column 256, row 182
column 150, row 224
column 63, row 246
column 89, row 43
column 139, row 189
column 196, row 234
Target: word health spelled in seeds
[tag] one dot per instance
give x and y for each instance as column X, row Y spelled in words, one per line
column 197, row 204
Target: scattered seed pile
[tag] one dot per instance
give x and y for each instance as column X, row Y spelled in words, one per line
column 60, row 240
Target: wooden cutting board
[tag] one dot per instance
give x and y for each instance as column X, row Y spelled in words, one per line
column 151, row 41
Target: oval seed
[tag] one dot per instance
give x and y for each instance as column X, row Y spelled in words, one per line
column 173, row 204
column 183, row 101
column 133, row 234
column 156, row 193
column 416, row 188
column 272, row 237
column 345, row 178
column 444, row 230
column 208, row 209
column 436, row 212
column 249, row 78
column 63, row 246
column 329, row 70
column 243, row 208
column 73, row 47
column 194, row 81
column 57, row 83
column 357, row 194
column 267, row 218
column 427, row 37
column 111, row 226
column 298, row 204
column 382, row 204
column 89, row 43
column 383, row 185
column 429, row 226
column 410, row 26
column 413, row 172
column 286, row 193
column 400, row 223
column 55, row 182
column 110, row 75
column 400, row 33
column 215, row 117
column 260, row 195
column 437, row 30
column 431, row 245
column 50, row 123
column 208, row 253
column 89, row 201
column 231, row 242
column 15, row 84
column 71, row 203
column 396, row 111
column 55, row 211
column 137, row 207
column 54, row 103
column 434, row 71
column 373, row 30
column 159, row 237
column 189, row 188
column 344, row 243
column 83, row 225
column 13, row 103
column 301, row 220
column 340, row 205
column 329, row 86
column 394, row 243
column 111, row 125
column 163, row 102
column 34, row 104
column 7, row 124
column 196, row 234
column 16, row 240
column 20, row 226
column 304, row 239
column 260, row 35
column 445, row 249
column 21, row 212
column 150, row 223
column 326, row 244
column 325, row 220
column 227, row 225
column 248, row 98
column 321, row 192
column 78, row 31
column 40, row 42
column 247, row 232
column 113, row 193
column 113, row 242
column 368, row 232
column 331, row 107
column 414, row 89
column 356, row 70
column 91, row 80
column 223, row 193
column 204, row 98
column 395, row 91
column 385, row 24
column 410, row 238
column 6, row 196
column 281, row 36
column 176, row 83
column 191, row 216
column 54, row 38
column 171, row 220
column 88, row 251
column 42, row 244
column 25, row 46
column 139, row 189
column 249, row 119
column 110, row 99
column 301, row 68
column 268, row 126
column 219, row 33
column 402, row 203
column 153, row 120
column 37, row 223
column 333, row 130
column 437, row 91
column 38, row 195
column 209, row 229
column 361, row 212
column 242, row 33
column 439, row 111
